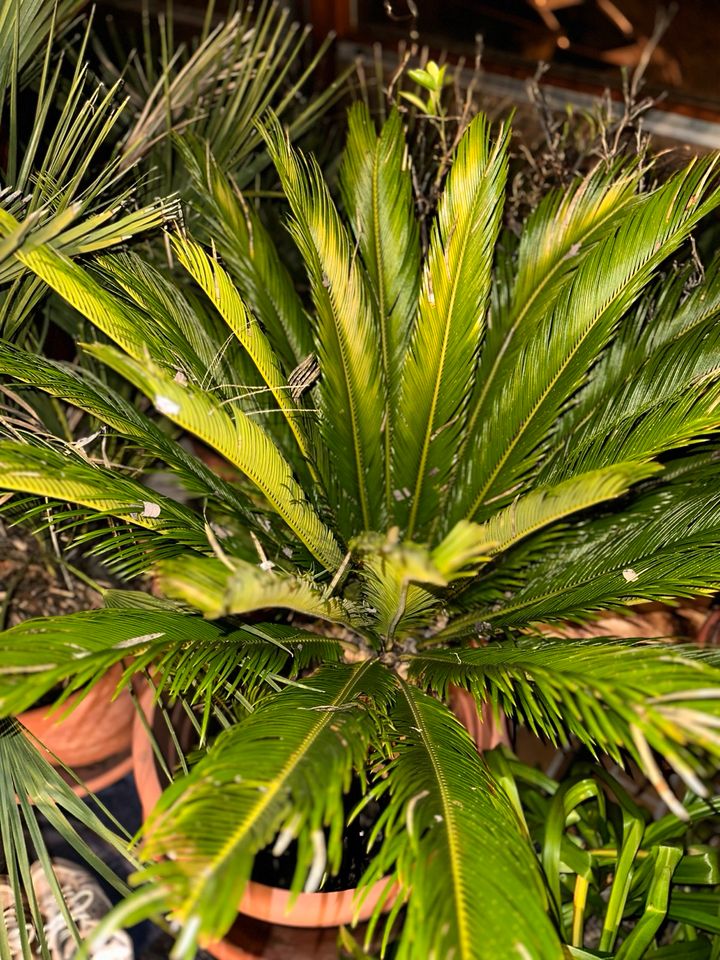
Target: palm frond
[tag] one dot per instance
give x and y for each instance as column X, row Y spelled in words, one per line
column 238, row 70
column 605, row 693
column 218, row 286
column 445, row 338
column 452, row 836
column 661, row 547
column 376, row 186
column 220, row 588
column 87, row 392
column 350, row 392
column 260, row 779
column 190, row 657
column 250, row 255
column 542, row 507
column 65, row 475
column 565, row 226
column 239, row 439
column 26, row 27
column 554, row 360
column 656, row 391
column 32, row 791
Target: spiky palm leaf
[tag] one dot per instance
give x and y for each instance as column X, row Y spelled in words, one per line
column 523, row 430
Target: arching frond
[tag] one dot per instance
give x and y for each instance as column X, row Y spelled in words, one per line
column 318, row 731
column 554, row 362
column 376, row 186
column 350, row 391
column 239, row 439
column 662, row 547
column 230, row 586
column 249, row 254
column 565, row 227
column 452, row 836
column 445, row 338
column 657, row 390
column 65, row 475
column 546, row 505
column 225, row 297
column 87, row 392
column 598, row 691
column 189, row 656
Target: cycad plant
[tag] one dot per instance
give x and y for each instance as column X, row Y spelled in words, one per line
column 434, row 454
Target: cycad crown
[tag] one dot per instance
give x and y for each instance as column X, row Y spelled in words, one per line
column 455, row 474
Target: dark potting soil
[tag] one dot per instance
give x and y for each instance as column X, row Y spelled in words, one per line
column 32, row 583
column 279, row 871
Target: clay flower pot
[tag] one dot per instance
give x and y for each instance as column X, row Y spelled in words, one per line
column 270, row 905
column 94, row 739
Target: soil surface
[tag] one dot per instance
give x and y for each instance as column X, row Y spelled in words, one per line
column 33, row 583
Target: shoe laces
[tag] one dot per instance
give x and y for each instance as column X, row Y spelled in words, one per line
column 60, row 938
column 12, row 928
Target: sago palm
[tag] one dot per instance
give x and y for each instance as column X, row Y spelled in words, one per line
column 437, row 452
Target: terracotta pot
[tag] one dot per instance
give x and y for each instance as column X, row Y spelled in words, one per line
column 94, row 739
column 482, row 726
column 268, row 904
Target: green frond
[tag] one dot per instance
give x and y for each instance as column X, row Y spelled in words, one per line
column 65, row 475
column 125, row 325
column 661, row 547
column 376, row 186
column 217, row 285
column 238, row 70
column 563, row 229
column 25, row 27
column 250, row 255
column 658, row 393
column 39, row 654
column 602, row 692
column 238, row 438
column 350, row 392
column 182, row 333
column 190, row 657
column 228, row 586
column 453, row 839
column 544, row 506
column 558, row 351
column 87, row 392
column 260, row 780
column 445, row 338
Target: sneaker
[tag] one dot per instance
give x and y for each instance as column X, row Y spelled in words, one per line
column 10, row 922
column 86, row 904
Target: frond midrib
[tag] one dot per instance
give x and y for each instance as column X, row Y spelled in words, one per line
column 453, row 842
column 430, row 428
column 237, row 837
column 513, row 329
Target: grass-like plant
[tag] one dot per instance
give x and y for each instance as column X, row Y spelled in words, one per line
column 435, row 453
